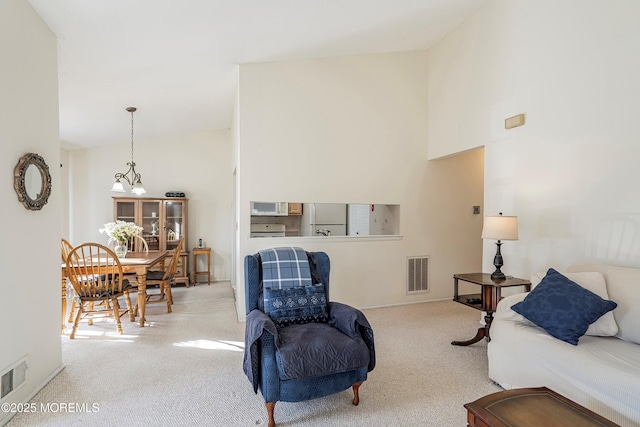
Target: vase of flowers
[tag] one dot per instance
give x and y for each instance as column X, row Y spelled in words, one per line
column 121, row 249
column 121, row 232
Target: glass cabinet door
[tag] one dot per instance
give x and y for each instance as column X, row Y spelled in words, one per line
column 126, row 211
column 174, row 223
column 150, row 222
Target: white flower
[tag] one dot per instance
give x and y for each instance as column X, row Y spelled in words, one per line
column 121, row 231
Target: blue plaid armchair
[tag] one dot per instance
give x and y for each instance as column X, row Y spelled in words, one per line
column 298, row 345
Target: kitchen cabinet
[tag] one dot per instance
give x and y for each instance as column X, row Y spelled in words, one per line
column 295, row 208
column 164, row 223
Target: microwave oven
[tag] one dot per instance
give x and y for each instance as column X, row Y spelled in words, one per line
column 269, row 208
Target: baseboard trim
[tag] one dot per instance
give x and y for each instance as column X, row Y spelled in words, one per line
column 404, row 303
column 244, row 319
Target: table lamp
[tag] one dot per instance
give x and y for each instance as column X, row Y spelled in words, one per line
column 500, row 228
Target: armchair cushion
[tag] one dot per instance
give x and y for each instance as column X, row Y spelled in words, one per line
column 316, row 349
column 296, row 305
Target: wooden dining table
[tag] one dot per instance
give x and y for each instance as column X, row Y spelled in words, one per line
column 135, row 262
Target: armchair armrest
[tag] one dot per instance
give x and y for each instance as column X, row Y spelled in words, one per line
column 258, row 324
column 353, row 323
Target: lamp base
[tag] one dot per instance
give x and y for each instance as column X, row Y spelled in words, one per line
column 498, row 275
column 497, row 262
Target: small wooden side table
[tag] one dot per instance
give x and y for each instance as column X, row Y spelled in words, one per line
column 487, row 300
column 201, row 251
column 531, row 407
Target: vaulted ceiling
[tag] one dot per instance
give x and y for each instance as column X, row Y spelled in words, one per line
column 176, row 60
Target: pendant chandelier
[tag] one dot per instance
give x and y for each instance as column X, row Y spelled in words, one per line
column 134, row 180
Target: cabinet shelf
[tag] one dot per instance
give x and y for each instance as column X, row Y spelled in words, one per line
column 465, row 299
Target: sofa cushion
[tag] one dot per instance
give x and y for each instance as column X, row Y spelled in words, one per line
column 297, row 305
column 562, row 307
column 623, row 285
column 606, row 325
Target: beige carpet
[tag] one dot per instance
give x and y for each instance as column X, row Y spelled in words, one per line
column 185, row 368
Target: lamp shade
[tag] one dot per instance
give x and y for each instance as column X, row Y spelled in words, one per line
column 117, row 187
column 500, row 227
column 138, row 188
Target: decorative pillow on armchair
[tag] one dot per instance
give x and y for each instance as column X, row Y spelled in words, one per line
column 562, row 307
column 297, row 305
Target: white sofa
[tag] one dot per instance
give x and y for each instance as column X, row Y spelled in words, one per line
column 601, row 373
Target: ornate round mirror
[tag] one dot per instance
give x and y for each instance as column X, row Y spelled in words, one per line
column 32, row 181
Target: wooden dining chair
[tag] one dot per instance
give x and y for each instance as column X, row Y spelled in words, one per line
column 68, row 290
column 66, row 249
column 164, row 280
column 138, row 244
column 96, row 276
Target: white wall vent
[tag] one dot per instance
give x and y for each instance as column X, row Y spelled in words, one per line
column 13, row 377
column 417, row 274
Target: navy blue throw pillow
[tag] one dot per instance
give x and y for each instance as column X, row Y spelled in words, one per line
column 297, row 305
column 562, row 307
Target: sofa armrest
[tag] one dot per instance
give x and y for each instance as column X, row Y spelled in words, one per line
column 504, row 311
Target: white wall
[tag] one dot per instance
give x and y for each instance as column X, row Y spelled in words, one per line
column 570, row 173
column 197, row 163
column 63, row 192
column 354, row 130
column 30, row 245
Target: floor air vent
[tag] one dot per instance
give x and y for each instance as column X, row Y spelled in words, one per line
column 417, row 274
column 13, row 377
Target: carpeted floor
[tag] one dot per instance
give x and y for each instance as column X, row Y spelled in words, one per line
column 185, row 368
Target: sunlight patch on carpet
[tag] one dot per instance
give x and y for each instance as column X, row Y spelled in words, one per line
column 212, row 345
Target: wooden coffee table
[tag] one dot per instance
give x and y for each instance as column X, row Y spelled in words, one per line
column 530, row 407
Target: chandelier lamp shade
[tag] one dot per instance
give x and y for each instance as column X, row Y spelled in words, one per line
column 500, row 228
column 132, row 177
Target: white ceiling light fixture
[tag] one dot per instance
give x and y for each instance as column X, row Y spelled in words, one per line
column 134, row 181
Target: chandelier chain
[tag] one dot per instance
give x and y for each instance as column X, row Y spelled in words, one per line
column 131, row 110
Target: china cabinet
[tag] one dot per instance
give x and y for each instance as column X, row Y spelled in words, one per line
column 164, row 223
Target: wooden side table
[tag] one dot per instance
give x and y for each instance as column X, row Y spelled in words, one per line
column 201, row 251
column 531, row 407
column 487, row 300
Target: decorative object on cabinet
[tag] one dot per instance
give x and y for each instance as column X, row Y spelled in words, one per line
column 170, row 217
column 174, row 194
column 32, row 181
column 499, row 228
column 135, row 182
